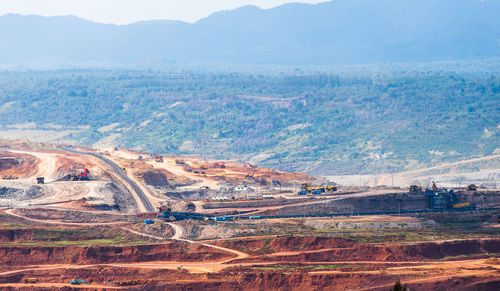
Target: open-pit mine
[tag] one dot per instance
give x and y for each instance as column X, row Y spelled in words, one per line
column 73, row 217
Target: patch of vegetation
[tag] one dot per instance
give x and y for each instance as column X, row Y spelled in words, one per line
column 53, row 236
column 359, row 123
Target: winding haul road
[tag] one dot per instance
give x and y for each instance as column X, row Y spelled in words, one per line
column 147, row 206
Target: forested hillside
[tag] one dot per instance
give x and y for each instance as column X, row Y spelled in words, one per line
column 320, row 123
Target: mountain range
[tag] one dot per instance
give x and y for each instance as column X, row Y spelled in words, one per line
column 330, row 33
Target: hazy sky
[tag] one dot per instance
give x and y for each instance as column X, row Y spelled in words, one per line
column 128, row 11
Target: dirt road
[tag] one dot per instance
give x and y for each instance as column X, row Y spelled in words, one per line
column 60, row 285
column 143, row 201
column 179, row 232
column 47, row 166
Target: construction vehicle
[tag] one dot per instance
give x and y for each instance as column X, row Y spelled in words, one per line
column 179, row 162
column 78, row 282
column 464, row 205
column 330, row 188
column 9, row 177
column 159, row 158
column 219, row 165
column 40, row 180
column 204, row 167
column 472, row 187
column 30, row 280
column 440, row 198
column 318, row 192
column 83, row 176
column 415, row 188
column 165, row 208
column 148, row 221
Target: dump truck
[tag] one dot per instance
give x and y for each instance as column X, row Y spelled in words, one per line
column 472, row 187
column 30, row 280
column 415, row 188
column 148, row 221
column 40, row 180
column 330, row 188
column 159, row 159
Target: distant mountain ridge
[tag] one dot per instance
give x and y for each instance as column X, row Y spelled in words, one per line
column 336, row 32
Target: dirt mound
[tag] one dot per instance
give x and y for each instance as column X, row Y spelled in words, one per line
column 21, row 193
column 17, row 165
column 163, row 178
column 492, row 261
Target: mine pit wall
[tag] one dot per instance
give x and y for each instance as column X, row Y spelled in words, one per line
column 386, row 202
column 489, row 198
column 239, row 279
column 176, row 251
column 391, row 253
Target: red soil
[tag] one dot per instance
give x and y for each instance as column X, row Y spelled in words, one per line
column 18, row 165
column 173, row 251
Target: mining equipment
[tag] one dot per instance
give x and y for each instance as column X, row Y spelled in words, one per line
column 440, row 198
column 30, row 280
column 159, row 158
column 330, row 188
column 464, row 205
column 306, row 188
column 78, row 282
column 179, row 162
column 219, row 165
column 40, row 180
column 83, row 176
column 9, row 177
column 415, row 188
column 471, row 187
column 148, row 221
